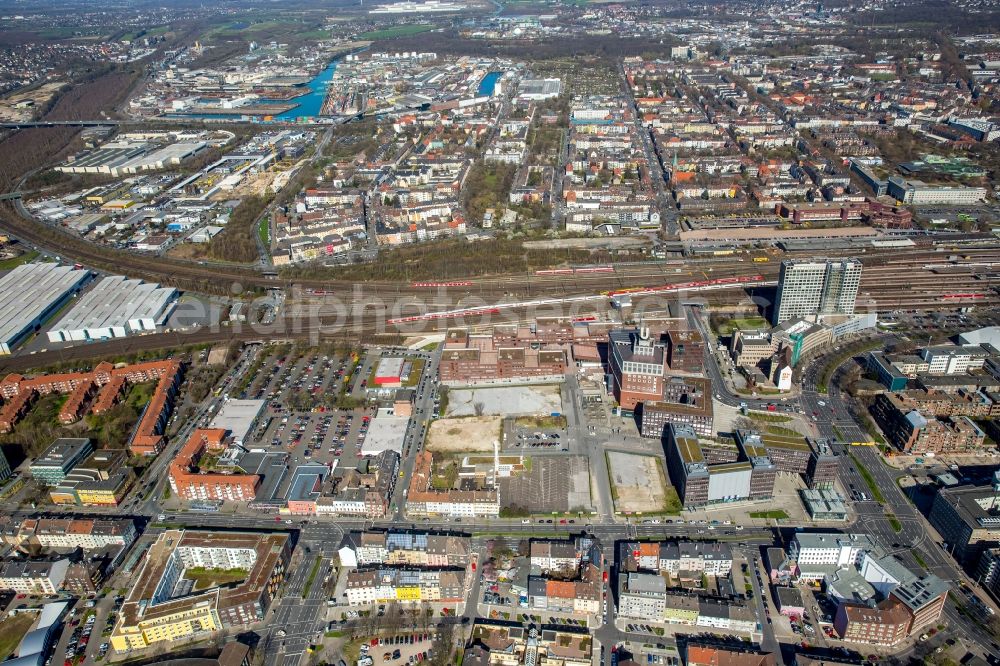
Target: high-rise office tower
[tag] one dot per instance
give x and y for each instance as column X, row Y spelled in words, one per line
column 818, row 287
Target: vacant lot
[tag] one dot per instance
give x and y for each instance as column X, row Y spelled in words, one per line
column 638, row 483
column 472, row 433
column 505, row 400
column 12, row 630
column 20, row 106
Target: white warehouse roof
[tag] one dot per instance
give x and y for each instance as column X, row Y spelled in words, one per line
column 29, row 294
column 114, row 308
column 238, row 416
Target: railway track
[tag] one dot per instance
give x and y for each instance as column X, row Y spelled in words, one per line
column 220, row 278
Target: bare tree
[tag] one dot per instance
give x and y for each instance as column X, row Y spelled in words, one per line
column 479, row 408
column 443, row 645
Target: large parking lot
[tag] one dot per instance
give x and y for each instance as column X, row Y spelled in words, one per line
column 406, row 648
column 309, row 416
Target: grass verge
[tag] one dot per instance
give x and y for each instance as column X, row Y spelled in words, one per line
column 897, row 526
column 14, row 262
column 312, row 576
column 264, row 232
column 869, row 480
column 768, row 417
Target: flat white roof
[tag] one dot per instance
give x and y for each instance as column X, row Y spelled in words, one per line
column 237, row 416
column 385, row 433
column 117, row 301
column 390, row 366
column 29, row 291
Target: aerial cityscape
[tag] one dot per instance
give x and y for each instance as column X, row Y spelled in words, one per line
column 500, row 333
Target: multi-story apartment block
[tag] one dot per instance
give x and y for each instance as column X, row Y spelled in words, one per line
column 363, row 491
column 554, row 556
column 693, row 558
column 408, row 549
column 155, row 611
column 581, row 596
column 191, row 483
column 28, row 577
column 108, row 381
column 912, row 429
column 812, row 288
column 69, row 533
column 381, row 585
column 643, row 596
column 423, row 500
column 712, row 559
column 566, row 575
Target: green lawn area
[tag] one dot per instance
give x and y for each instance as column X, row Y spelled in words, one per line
column 139, row 395
column 396, row 31
column 14, row 262
column 869, row 480
column 208, row 578
column 776, row 514
column 264, row 233
column 743, row 323
column 12, row 630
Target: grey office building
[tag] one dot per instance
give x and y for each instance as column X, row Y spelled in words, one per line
column 820, row 287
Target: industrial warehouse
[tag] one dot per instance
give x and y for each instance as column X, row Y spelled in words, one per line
column 30, row 294
column 115, row 308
